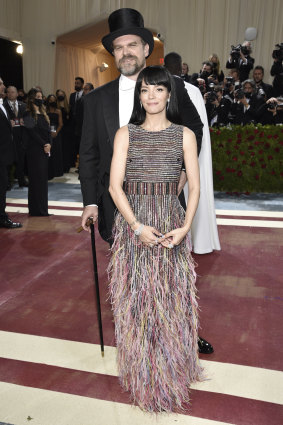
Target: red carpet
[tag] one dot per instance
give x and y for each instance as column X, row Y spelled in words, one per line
column 47, row 290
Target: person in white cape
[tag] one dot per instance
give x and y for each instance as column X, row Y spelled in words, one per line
column 204, row 233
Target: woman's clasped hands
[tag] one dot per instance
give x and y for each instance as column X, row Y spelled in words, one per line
column 152, row 237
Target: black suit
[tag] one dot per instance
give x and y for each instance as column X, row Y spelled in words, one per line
column 242, row 117
column 267, row 88
column 18, row 139
column 7, row 157
column 244, row 69
column 221, row 111
column 101, row 121
column 75, row 125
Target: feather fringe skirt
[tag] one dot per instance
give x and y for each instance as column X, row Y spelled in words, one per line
column 153, row 297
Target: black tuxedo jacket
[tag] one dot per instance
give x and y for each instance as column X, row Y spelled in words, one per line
column 267, row 88
column 101, row 122
column 244, row 69
column 21, row 109
column 73, row 105
column 7, row 148
column 242, row 117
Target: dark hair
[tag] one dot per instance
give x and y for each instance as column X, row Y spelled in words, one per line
column 47, row 102
column 90, row 86
column 173, row 62
column 81, row 79
column 260, row 68
column 30, row 104
column 208, row 63
column 250, row 82
column 218, row 89
column 157, row 76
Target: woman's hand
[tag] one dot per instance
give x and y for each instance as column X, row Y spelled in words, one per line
column 54, row 134
column 47, row 148
column 150, row 236
column 174, row 237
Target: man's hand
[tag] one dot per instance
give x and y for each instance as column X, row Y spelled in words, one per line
column 47, row 148
column 89, row 211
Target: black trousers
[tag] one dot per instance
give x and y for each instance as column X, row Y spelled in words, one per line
column 3, row 189
column 37, row 161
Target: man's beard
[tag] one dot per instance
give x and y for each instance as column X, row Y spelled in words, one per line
column 130, row 69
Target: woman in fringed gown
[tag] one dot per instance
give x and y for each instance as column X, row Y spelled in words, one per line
column 152, row 276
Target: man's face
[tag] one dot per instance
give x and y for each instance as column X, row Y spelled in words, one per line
column 206, row 68
column 258, row 75
column 248, row 88
column 12, row 93
column 38, row 95
column 130, row 53
column 78, row 85
column 2, row 88
column 185, row 69
column 86, row 89
column 219, row 95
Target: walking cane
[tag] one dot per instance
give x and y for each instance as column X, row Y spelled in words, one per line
column 96, row 283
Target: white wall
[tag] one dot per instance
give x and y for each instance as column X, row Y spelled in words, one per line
column 193, row 28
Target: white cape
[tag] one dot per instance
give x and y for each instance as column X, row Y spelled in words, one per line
column 204, row 233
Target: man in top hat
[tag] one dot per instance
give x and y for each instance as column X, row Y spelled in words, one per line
column 109, row 107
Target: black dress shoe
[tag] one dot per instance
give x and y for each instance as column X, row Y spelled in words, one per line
column 204, row 347
column 9, row 224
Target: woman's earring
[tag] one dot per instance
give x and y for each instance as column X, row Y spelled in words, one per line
column 141, row 105
column 168, row 101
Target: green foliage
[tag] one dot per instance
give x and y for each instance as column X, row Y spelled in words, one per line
column 247, row 158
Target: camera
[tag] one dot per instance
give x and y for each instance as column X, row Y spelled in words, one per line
column 261, row 92
column 229, row 83
column 278, row 52
column 272, row 105
column 211, row 94
column 236, row 50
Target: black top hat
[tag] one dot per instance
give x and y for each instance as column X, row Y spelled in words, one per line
column 126, row 21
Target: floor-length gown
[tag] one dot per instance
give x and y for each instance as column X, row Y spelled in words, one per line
column 152, row 290
column 36, row 135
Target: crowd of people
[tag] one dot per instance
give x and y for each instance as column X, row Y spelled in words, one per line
column 234, row 98
column 45, row 132
column 230, row 97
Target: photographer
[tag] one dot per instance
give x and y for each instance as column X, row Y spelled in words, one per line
column 229, row 88
column 262, row 88
column 271, row 112
column 277, row 70
column 240, row 59
column 214, row 59
column 217, row 107
column 246, row 103
column 204, row 77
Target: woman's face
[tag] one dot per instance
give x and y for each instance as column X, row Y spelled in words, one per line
column 154, row 98
column 38, row 95
column 52, row 99
column 60, row 93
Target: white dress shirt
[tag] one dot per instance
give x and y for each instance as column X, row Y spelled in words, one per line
column 2, row 107
column 126, row 99
column 126, row 102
